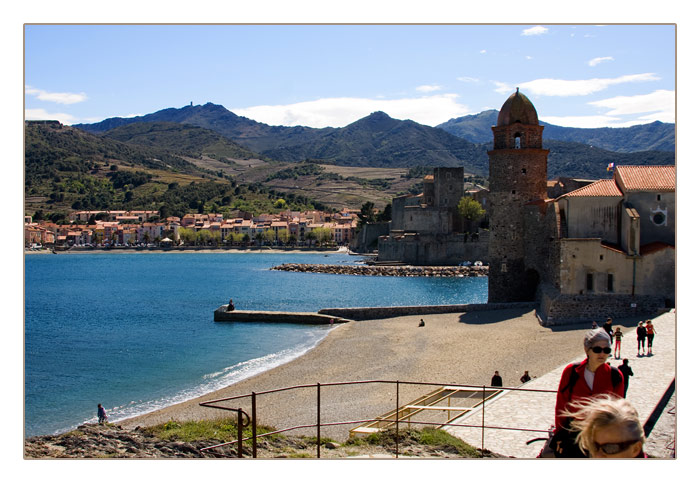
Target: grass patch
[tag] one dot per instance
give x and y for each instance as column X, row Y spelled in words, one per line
column 206, row 429
column 431, row 437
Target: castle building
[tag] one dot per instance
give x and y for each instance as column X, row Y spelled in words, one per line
column 427, row 229
column 604, row 249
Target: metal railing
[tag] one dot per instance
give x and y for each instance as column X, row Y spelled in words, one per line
column 252, row 419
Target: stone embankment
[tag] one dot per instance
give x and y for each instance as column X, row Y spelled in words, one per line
column 386, row 270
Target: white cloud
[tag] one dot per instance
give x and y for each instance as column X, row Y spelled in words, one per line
column 467, row 79
column 341, row 111
column 598, row 60
column 43, row 115
column 538, row 30
column 502, row 87
column 583, row 87
column 57, row 97
column 428, row 88
column 483, row 51
column 624, row 111
column 660, row 105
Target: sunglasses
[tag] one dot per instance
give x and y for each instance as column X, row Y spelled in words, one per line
column 598, row 350
column 613, row 448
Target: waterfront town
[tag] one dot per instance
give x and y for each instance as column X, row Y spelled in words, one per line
column 117, row 229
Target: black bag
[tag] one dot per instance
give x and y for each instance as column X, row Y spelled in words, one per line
column 563, row 444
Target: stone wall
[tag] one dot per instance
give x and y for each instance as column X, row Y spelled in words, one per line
column 419, row 249
column 371, row 313
column 559, row 309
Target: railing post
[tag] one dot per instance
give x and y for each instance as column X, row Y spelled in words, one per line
column 255, row 426
column 483, row 416
column 397, row 419
column 240, row 433
column 318, row 420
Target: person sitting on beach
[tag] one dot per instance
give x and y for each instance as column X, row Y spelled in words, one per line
column 101, row 414
column 496, row 380
column 230, row 307
column 607, row 427
column 525, row 377
column 618, row 342
column 421, row 323
column 641, row 338
column 588, row 378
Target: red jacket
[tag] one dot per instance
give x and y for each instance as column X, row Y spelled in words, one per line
column 602, row 384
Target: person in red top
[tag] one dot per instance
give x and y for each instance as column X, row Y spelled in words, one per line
column 590, row 377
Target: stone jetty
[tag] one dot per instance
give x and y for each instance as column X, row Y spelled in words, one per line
column 386, row 270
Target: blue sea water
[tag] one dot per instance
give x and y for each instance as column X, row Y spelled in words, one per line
column 135, row 331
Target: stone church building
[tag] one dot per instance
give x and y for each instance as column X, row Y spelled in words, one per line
column 605, row 249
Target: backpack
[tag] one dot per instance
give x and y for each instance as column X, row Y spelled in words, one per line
column 615, row 378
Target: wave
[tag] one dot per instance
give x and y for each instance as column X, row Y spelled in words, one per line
column 214, row 381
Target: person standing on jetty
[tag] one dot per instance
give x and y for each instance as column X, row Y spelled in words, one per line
column 618, row 342
column 650, row 336
column 641, row 337
column 525, row 377
column 588, row 378
column 496, row 380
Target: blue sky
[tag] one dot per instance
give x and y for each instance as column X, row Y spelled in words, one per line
column 331, row 75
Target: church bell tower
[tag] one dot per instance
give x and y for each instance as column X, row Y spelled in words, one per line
column 517, row 177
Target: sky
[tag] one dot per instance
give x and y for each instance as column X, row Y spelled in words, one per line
column 576, row 75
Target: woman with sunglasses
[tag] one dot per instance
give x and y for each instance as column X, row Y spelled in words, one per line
column 586, row 379
column 608, row 427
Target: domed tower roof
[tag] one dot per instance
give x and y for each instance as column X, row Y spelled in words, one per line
column 517, row 108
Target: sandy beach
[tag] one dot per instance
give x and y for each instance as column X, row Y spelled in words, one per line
column 455, row 348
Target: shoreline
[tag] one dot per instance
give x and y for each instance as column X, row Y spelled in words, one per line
column 453, row 348
column 197, row 250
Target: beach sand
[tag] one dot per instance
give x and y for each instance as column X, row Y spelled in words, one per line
column 455, row 348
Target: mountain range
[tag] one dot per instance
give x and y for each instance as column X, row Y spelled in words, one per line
column 381, row 141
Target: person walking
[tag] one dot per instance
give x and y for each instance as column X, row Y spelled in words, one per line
column 641, row 338
column 607, row 326
column 626, row 371
column 618, row 342
column 496, row 380
column 650, row 336
column 585, row 379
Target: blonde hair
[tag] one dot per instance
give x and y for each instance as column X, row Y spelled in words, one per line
column 590, row 414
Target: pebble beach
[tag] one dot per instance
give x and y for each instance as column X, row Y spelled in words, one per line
column 453, row 348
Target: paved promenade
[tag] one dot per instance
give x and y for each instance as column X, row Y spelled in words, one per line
column 533, row 410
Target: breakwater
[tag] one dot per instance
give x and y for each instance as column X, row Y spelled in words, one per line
column 386, row 270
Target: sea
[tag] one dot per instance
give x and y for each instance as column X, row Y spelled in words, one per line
column 135, row 331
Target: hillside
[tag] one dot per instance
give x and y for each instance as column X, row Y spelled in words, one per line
column 656, row 136
column 184, row 139
column 253, row 135
column 69, row 169
column 380, row 141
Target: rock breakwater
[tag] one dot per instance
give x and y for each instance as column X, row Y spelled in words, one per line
column 386, row 270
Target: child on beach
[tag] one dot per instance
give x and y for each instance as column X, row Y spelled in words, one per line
column 101, row 414
column 618, row 342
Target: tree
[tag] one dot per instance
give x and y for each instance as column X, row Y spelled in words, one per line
column 470, row 209
column 367, row 213
column 187, row 236
column 283, row 236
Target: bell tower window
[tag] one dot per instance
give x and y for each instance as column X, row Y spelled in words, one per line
column 517, row 141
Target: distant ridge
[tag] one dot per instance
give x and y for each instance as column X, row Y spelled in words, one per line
column 655, row 136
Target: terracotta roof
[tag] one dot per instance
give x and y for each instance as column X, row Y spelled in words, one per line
column 646, row 178
column 602, row 187
column 653, row 247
